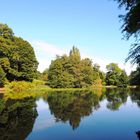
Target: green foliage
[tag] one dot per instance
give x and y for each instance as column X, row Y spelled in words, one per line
column 45, row 75
column 6, row 32
column 123, row 79
column 20, row 86
column 17, row 57
column 2, row 77
column 98, row 76
column 135, row 77
column 131, row 26
column 132, row 17
column 115, row 76
column 70, row 71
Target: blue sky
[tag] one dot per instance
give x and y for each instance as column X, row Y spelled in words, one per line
column 54, row 26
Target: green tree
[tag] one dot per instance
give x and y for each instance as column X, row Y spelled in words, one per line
column 98, row 76
column 17, row 57
column 70, row 71
column 123, row 80
column 134, row 77
column 45, row 75
column 115, row 76
column 58, row 74
column 6, row 32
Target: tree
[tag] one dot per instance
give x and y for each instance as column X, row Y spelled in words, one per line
column 123, row 80
column 98, row 76
column 134, row 77
column 6, row 32
column 115, row 76
column 131, row 26
column 70, row 71
column 17, row 57
column 45, row 75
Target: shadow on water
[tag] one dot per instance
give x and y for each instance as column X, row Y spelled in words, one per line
column 17, row 118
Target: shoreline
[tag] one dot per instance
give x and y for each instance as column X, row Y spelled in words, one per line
column 2, row 90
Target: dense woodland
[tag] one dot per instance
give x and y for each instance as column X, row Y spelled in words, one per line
column 18, row 63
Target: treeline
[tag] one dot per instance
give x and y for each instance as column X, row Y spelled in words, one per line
column 18, row 63
column 70, row 71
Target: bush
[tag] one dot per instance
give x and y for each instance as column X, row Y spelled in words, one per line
column 18, row 86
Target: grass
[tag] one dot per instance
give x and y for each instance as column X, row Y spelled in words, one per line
column 22, row 89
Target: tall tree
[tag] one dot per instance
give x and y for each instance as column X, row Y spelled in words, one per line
column 70, row 71
column 17, row 57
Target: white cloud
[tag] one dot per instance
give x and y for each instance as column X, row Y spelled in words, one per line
column 48, row 48
column 46, row 52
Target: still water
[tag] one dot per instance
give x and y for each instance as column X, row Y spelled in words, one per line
column 72, row 115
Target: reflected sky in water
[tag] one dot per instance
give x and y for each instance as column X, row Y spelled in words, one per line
column 78, row 116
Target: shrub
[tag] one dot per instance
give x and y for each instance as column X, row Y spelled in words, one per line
column 18, row 86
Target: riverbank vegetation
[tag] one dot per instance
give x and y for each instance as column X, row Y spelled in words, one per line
column 18, row 69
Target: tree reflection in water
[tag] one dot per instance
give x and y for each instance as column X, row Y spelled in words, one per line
column 72, row 106
column 138, row 134
column 17, row 118
column 135, row 96
column 116, row 97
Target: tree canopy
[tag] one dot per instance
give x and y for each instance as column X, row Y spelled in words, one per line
column 115, row 75
column 17, row 57
column 71, row 71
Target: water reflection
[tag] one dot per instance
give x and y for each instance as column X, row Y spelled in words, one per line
column 116, row 98
column 115, row 114
column 135, row 97
column 72, row 107
column 138, row 134
column 17, row 118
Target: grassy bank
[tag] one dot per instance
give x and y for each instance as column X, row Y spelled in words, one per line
column 20, row 89
column 20, row 86
column 37, row 85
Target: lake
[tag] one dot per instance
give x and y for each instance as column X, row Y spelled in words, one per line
column 72, row 115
